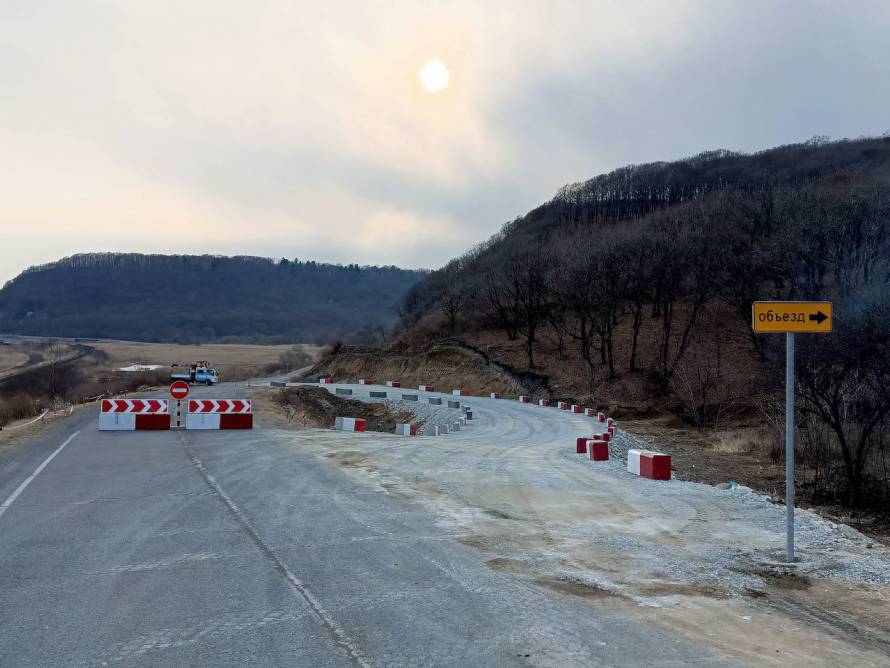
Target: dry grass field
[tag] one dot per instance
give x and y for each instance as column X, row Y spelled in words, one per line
column 11, row 357
column 221, row 355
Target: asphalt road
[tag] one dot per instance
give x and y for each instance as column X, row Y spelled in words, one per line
column 237, row 548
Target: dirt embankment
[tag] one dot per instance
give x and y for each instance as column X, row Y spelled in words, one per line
column 445, row 365
column 315, row 407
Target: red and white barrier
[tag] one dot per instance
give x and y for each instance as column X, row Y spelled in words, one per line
column 365, row 381
column 590, row 412
column 648, row 464
column 581, row 445
column 134, row 414
column 543, row 402
column 393, row 383
column 460, row 393
column 524, row 399
column 439, row 430
column 576, row 408
column 605, row 436
column 655, row 466
column 600, row 417
column 562, row 405
column 212, row 414
column 219, row 406
column 406, row 429
column 350, row 424
column 495, row 395
column 325, row 380
column 425, row 388
column 598, row 450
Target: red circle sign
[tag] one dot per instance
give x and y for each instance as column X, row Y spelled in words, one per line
column 179, row 389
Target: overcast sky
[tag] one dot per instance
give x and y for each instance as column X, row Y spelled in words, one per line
column 292, row 129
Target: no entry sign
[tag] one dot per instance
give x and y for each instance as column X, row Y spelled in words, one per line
column 179, row 389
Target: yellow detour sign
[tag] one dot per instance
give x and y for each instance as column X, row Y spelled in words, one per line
column 798, row 317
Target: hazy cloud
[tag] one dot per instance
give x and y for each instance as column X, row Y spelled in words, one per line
column 287, row 129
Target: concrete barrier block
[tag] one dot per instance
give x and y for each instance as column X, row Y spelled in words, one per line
column 435, row 401
column 325, row 380
column 562, row 405
column 576, row 408
column 455, row 426
column 543, row 402
column 495, row 395
column 597, row 450
column 393, row 383
column 633, row 461
column 469, row 415
column 453, row 404
column 581, row 445
column 425, row 388
column 655, row 465
column 202, row 421
column 410, row 397
column 365, row 381
column 117, row 422
column 590, row 412
column 377, row 395
column 349, row 424
column 460, row 393
column 406, row 429
column 345, row 391
column 523, row 399
column 600, row 417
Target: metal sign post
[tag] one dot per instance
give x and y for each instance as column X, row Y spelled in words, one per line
column 789, row 446
column 790, row 317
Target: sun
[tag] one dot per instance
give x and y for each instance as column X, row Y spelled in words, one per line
column 434, row 76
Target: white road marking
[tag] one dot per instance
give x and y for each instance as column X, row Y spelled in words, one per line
column 340, row 636
column 21, row 488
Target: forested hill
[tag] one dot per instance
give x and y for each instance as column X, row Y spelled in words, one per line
column 202, row 298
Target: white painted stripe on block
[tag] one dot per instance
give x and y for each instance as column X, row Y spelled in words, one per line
column 117, row 421
column 633, row 461
column 202, row 421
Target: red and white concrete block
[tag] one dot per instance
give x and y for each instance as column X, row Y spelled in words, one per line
column 325, row 380
column 365, row 381
column 495, row 395
column 598, row 450
column 213, row 414
column 134, row 414
column 523, row 399
column 590, row 412
column 350, row 424
column 393, row 383
column 425, row 388
column 649, row 464
column 600, row 417
column 562, row 405
column 576, row 409
column 543, row 402
column 406, row 429
column 460, row 393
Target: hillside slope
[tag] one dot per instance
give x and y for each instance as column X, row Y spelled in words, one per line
column 201, row 298
column 633, row 290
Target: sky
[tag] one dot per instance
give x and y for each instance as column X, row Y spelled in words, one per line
column 289, row 129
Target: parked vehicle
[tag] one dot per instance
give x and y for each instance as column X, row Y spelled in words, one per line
column 198, row 373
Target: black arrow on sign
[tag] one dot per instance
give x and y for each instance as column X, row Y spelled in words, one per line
column 819, row 317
